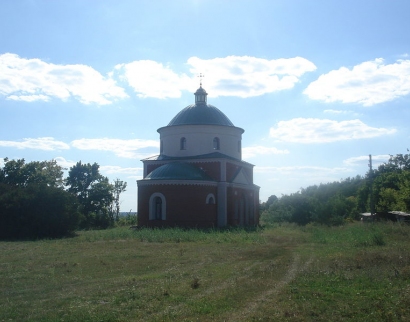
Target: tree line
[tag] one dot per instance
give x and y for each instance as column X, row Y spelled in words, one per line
column 37, row 202
column 386, row 188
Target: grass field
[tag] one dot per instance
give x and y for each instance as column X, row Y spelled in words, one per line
column 357, row 272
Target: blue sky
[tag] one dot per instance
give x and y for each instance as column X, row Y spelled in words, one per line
column 317, row 85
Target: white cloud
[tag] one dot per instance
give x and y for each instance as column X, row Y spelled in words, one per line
column 122, row 148
column 253, row 151
column 340, row 112
column 241, row 76
column 28, row 98
column 113, row 169
column 368, row 83
column 376, row 160
column 33, row 79
column 246, row 76
column 151, row 79
column 105, row 169
column 45, row 143
column 66, row 164
column 310, row 130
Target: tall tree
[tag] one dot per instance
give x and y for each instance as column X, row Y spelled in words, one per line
column 94, row 193
column 119, row 187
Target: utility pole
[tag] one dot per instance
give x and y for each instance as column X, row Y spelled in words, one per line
column 372, row 212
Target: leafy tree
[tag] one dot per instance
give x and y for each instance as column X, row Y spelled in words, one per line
column 94, row 193
column 36, row 211
column 390, row 186
column 265, row 205
column 19, row 173
column 396, row 163
column 33, row 203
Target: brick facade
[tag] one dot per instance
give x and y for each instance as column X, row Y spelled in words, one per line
column 200, row 184
column 185, row 206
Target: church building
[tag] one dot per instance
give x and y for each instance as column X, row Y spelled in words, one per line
column 199, row 178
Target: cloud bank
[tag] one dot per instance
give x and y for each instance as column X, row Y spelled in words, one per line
column 246, row 76
column 45, row 144
column 368, row 83
column 152, row 79
column 29, row 80
column 33, row 79
column 311, row 130
column 121, row 148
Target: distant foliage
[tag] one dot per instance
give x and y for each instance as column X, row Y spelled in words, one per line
column 329, row 204
column 129, row 219
column 33, row 203
column 337, row 202
column 391, row 185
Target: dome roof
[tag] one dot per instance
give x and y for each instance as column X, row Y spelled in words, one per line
column 178, row 171
column 200, row 90
column 200, row 114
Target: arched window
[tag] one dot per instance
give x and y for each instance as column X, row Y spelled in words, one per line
column 161, row 147
column 157, row 207
column 216, row 144
column 210, row 199
column 183, row 144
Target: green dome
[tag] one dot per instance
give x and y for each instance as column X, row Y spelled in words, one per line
column 178, row 171
column 200, row 114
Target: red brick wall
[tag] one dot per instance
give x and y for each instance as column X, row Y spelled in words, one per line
column 252, row 201
column 213, row 169
column 185, row 206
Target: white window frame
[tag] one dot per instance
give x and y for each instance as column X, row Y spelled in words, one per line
column 208, row 198
column 152, row 206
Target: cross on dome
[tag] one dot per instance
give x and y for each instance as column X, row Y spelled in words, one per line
column 201, row 76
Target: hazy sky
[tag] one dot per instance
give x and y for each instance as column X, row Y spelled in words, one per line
column 317, row 85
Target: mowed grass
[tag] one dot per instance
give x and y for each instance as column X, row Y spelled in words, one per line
column 358, row 272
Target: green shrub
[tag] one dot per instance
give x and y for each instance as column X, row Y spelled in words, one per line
column 36, row 211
